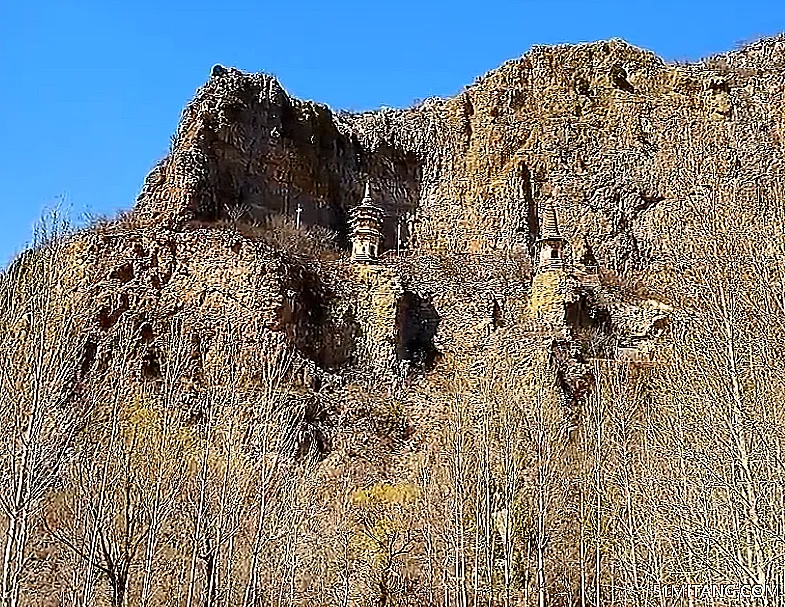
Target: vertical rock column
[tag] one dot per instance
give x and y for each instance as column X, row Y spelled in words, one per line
column 549, row 296
column 379, row 294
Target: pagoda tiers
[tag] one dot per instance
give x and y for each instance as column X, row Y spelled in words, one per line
column 366, row 222
column 550, row 243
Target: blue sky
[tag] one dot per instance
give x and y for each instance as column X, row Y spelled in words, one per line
column 91, row 91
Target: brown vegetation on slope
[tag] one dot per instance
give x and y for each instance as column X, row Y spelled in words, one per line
column 197, row 410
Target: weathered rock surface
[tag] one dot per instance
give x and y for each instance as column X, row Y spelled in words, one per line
column 619, row 139
column 618, row 133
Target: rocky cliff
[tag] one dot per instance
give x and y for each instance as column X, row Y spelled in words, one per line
column 612, row 127
column 619, row 139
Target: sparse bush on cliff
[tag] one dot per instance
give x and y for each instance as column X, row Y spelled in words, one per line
column 280, row 232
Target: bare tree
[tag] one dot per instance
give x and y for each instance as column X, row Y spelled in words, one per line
column 42, row 403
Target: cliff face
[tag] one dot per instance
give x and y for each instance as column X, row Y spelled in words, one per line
column 621, row 142
column 244, row 148
column 620, row 138
column 642, row 161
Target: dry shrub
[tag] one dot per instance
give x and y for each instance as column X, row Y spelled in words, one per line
column 310, row 242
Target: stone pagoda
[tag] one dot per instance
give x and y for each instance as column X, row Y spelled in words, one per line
column 550, row 244
column 366, row 223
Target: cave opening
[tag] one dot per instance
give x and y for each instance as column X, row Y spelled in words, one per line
column 418, row 322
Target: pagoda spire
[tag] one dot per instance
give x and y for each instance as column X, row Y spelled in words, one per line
column 366, row 221
column 550, row 242
column 549, row 228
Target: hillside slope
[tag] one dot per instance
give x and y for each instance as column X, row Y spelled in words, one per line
column 206, row 402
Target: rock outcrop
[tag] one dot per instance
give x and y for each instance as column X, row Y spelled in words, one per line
column 619, row 140
column 619, row 132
